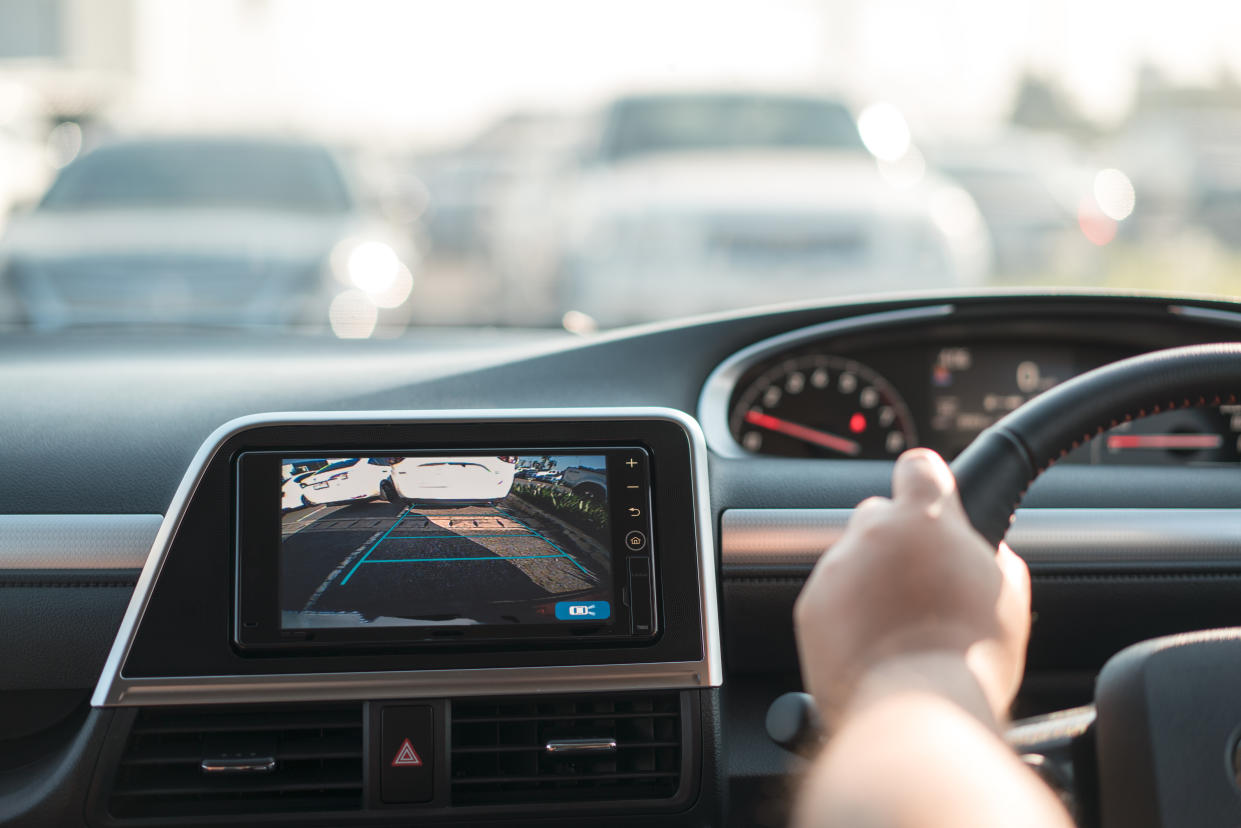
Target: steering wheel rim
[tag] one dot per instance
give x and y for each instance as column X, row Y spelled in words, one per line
column 995, row 470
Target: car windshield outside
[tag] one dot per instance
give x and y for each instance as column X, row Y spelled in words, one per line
column 378, row 168
column 726, row 123
column 189, row 174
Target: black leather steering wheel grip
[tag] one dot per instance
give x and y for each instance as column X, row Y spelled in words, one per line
column 996, row 469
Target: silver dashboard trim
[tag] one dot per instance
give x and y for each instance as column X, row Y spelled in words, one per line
column 75, row 542
column 1226, row 317
column 797, row 537
column 116, row 690
column 602, row 744
column 718, row 390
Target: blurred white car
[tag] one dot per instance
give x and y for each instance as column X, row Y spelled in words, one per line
column 340, row 481
column 715, row 201
column 459, row 480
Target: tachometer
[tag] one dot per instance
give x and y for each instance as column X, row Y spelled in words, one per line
column 821, row 406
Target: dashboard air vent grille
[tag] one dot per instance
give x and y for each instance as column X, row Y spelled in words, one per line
column 500, row 755
column 183, row 761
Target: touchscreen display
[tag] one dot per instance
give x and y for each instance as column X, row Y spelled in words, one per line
column 459, row 540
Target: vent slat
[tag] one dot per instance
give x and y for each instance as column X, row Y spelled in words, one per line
column 318, row 752
column 526, row 747
column 551, row 717
column 598, row 777
column 239, row 804
column 216, row 722
column 333, row 745
column 499, row 756
column 239, row 785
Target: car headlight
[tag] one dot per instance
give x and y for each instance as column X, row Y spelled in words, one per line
column 374, row 268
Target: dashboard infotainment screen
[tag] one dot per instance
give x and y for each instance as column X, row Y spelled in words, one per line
column 450, row 541
column 419, row 547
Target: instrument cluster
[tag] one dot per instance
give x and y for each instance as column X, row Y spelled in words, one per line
column 829, row 398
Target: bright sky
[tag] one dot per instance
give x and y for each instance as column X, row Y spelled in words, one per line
column 433, row 70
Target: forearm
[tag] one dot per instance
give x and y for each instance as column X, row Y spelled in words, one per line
column 921, row 753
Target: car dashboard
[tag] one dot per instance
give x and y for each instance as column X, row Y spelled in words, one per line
column 124, row 557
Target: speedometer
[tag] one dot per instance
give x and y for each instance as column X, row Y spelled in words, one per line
column 821, row 406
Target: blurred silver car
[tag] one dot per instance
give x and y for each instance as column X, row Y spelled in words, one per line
column 205, row 231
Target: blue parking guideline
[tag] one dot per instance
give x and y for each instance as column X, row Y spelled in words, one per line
column 466, row 537
column 530, row 532
column 510, row 516
column 546, row 539
column 462, row 516
column 486, row 558
column 395, row 524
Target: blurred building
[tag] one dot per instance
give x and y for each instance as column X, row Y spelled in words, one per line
column 86, row 35
column 61, row 62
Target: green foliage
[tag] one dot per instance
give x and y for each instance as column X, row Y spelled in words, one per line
column 587, row 515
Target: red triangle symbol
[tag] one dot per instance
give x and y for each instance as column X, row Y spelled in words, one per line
column 406, row 756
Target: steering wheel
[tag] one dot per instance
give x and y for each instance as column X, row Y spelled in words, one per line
column 1167, row 724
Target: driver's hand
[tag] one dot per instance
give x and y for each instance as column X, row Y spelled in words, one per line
column 911, row 595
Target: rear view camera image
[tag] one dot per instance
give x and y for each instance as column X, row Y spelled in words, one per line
column 450, row 541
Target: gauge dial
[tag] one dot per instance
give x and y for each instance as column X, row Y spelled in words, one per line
column 822, row 406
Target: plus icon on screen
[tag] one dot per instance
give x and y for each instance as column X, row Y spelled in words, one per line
column 631, row 462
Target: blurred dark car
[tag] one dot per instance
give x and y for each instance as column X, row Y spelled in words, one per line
column 204, row 231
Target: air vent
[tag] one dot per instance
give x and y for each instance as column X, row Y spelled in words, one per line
column 240, row 760
column 500, row 749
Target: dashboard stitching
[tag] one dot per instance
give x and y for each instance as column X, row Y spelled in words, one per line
column 1171, row 405
column 1048, row 462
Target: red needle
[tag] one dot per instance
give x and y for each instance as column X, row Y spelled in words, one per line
column 1164, row 441
column 800, row 432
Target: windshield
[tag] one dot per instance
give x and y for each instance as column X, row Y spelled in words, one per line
column 183, row 174
column 369, row 168
column 726, row 123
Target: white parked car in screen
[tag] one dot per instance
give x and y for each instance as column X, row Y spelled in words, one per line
column 340, row 481
column 291, row 495
column 453, row 479
column 590, row 484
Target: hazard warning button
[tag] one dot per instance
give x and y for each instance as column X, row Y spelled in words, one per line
column 407, row 754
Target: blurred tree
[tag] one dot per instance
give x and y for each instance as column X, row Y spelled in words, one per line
column 1042, row 104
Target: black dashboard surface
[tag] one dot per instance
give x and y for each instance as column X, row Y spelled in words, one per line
column 132, row 409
